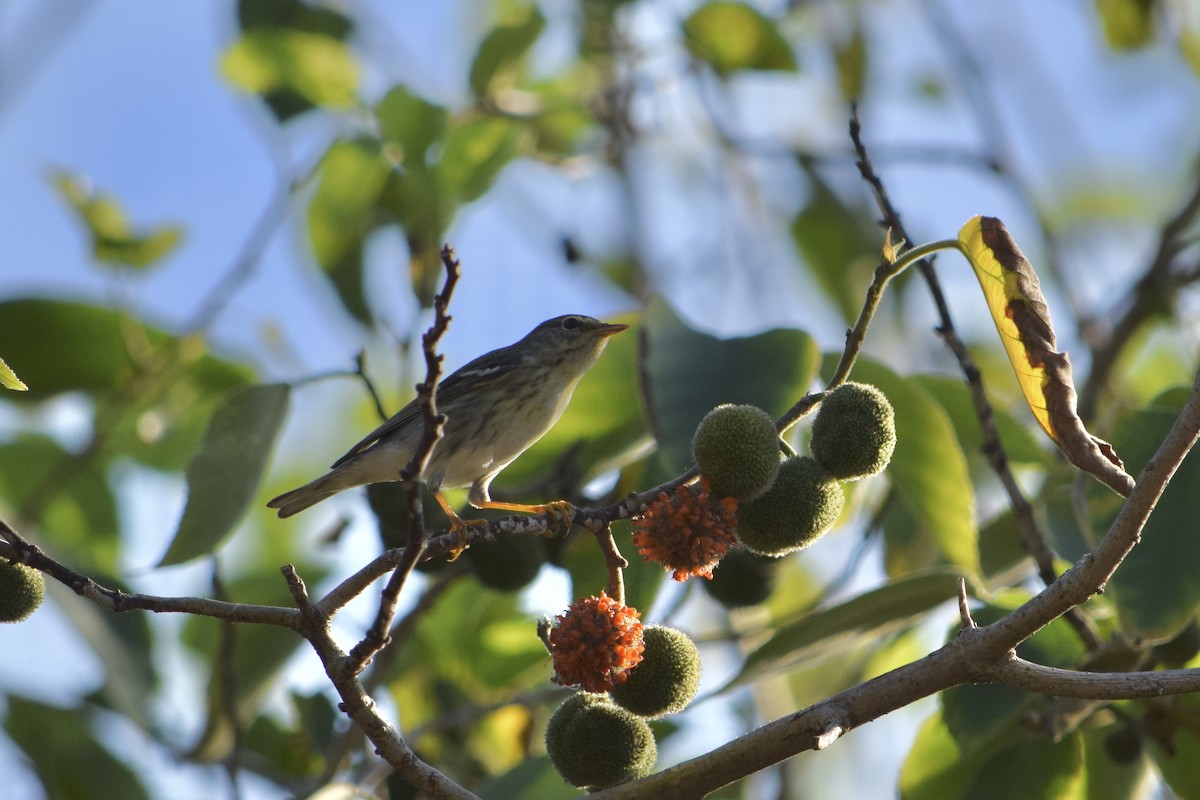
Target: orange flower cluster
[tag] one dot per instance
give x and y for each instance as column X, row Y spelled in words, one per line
column 688, row 532
column 595, row 643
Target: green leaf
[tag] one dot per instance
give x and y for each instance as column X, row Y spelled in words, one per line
column 928, row 469
column 735, row 36
column 410, row 122
column 826, row 633
column 936, row 768
column 1180, row 766
column 599, row 427
column 1128, row 24
column 69, row 761
column 533, row 777
column 850, row 57
column 224, row 474
column 9, row 379
column 319, row 68
column 686, row 373
column 837, row 244
column 255, row 14
column 643, row 579
column 77, row 516
column 1020, row 444
column 476, row 151
column 1033, row 768
column 504, row 47
column 61, row 346
column 114, row 239
column 341, row 214
column 1167, row 555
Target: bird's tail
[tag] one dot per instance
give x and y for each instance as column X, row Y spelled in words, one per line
column 311, row 493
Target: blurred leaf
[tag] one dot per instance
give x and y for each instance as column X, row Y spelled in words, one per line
column 1166, row 556
column 255, row 14
column 1033, row 768
column 1020, row 444
column 123, row 644
column 317, row 67
column 342, row 211
column 297, row 748
column 76, row 511
column 734, row 36
column 643, row 579
column 928, row 469
column 503, row 47
column 826, row 633
column 850, row 57
column 1128, row 24
column 114, row 239
column 412, row 123
column 603, row 422
column 534, row 777
column 224, row 475
column 1107, row 779
column 1180, row 766
column 476, row 151
column 837, row 244
column 686, row 373
column 9, row 379
column 61, row 346
column 936, row 768
column 69, row 761
column 1000, row 545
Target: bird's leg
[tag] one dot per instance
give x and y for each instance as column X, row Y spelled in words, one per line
column 458, row 526
column 562, row 513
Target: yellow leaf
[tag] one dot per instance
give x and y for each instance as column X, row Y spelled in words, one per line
column 1015, row 300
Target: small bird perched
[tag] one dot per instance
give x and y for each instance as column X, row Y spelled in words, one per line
column 496, row 407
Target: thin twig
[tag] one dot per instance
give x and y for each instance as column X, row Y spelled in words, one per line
column 376, row 637
column 993, row 448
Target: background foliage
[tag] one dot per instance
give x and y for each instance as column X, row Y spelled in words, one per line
column 186, row 293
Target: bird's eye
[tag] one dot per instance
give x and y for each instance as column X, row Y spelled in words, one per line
column 570, row 323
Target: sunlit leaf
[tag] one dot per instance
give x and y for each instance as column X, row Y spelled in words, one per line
column 1157, row 588
column 825, row 633
column 114, row 238
column 224, row 475
column 1019, row 310
column 503, row 47
column 69, row 761
column 1036, row 767
column 9, row 379
column 936, row 767
column 732, row 36
column 319, row 68
column 686, row 373
column 928, row 469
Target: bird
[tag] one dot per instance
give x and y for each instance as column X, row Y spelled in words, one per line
column 496, row 407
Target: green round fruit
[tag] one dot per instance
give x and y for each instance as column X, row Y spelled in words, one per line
column 22, row 590
column 742, row 579
column 854, row 434
column 801, row 506
column 737, row 449
column 667, row 678
column 593, row 743
column 507, row 564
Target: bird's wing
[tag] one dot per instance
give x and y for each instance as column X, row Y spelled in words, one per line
column 472, row 375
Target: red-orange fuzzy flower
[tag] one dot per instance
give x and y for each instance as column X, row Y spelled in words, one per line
column 595, row 643
column 687, row 532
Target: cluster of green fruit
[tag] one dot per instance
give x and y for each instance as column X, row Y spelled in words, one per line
column 787, row 502
column 22, row 589
column 598, row 740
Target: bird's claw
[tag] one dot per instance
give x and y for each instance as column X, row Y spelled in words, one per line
column 461, row 529
column 562, row 516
